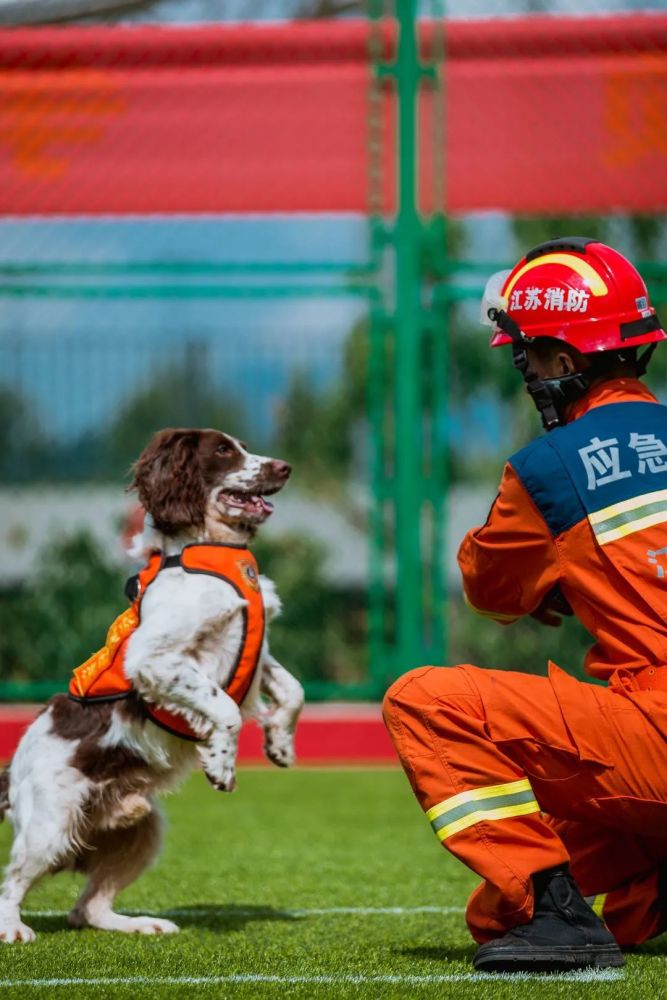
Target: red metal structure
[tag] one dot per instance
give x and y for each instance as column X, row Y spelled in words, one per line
column 274, row 118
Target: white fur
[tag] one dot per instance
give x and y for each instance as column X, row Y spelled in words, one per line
column 180, row 658
column 46, row 796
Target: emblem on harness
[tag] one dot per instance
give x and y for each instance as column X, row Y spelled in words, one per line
column 249, row 572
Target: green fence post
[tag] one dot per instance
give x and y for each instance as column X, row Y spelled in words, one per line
column 406, row 614
column 408, row 446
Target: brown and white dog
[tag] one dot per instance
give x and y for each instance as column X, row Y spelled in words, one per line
column 79, row 790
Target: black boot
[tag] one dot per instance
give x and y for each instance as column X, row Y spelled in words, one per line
column 564, row 933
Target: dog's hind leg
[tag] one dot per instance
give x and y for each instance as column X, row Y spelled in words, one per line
column 45, row 796
column 115, row 859
column 27, row 863
column 127, row 812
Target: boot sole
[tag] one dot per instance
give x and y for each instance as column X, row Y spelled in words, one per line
column 554, row 959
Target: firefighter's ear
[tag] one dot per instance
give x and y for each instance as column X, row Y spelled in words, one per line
column 565, row 363
column 168, row 479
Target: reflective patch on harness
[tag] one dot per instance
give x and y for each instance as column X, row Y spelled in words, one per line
column 516, row 798
column 95, row 666
column 629, row 516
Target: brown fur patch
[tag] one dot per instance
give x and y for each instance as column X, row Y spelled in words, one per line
column 131, row 847
column 103, row 764
column 88, row 723
column 72, row 720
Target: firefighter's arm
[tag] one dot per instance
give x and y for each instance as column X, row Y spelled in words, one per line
column 510, row 565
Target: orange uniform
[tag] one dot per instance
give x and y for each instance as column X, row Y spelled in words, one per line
column 518, row 773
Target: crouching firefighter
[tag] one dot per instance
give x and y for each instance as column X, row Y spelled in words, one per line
column 554, row 790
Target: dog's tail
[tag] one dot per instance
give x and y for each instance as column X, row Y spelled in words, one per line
column 4, row 793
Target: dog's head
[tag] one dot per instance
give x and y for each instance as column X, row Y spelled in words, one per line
column 188, row 478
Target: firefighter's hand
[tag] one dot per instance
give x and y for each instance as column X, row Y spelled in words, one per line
column 552, row 609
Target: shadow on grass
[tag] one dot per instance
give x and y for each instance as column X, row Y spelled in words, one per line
column 657, row 946
column 224, row 918
column 207, row 917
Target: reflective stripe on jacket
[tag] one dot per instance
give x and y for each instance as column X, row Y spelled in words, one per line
column 102, row 676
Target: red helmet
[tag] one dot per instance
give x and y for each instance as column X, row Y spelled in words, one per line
column 576, row 290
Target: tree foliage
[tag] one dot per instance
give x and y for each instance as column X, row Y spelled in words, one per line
column 55, row 621
column 24, row 448
column 180, row 395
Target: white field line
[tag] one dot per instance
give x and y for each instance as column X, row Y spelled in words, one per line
column 350, row 979
column 193, row 911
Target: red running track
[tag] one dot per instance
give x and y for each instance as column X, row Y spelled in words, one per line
column 327, row 734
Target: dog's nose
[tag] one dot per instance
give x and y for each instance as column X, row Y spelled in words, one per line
column 280, row 469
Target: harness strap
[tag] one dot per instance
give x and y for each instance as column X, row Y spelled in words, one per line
column 132, row 587
column 538, row 388
column 171, row 562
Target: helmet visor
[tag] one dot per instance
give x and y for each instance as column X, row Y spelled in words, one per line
column 493, row 299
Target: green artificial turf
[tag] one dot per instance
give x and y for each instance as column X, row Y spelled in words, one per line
column 240, row 867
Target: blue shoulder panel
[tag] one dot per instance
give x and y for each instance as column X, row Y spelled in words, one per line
column 540, row 468
column 612, row 453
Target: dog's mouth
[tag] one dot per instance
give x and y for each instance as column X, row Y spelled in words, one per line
column 252, row 506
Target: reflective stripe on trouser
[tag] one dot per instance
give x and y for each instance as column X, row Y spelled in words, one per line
column 597, row 902
column 635, row 911
column 480, row 804
column 490, row 804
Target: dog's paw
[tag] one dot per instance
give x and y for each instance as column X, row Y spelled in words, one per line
column 14, row 931
column 219, row 764
column 279, row 749
column 154, row 925
column 109, row 920
column 225, row 782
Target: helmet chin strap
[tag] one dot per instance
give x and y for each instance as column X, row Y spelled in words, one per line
column 550, row 395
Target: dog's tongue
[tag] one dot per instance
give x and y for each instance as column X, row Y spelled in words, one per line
column 258, row 505
column 251, row 504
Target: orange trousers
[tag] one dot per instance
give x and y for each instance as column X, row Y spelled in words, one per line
column 518, row 773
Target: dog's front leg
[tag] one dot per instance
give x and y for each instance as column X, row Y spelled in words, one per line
column 286, row 697
column 212, row 714
column 218, row 753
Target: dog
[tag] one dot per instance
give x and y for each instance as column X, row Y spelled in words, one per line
column 80, row 788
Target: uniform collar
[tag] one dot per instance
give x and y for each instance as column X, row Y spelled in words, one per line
column 616, row 390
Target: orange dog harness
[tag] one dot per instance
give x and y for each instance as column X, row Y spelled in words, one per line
column 102, row 676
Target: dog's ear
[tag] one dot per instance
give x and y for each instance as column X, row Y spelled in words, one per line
column 168, row 479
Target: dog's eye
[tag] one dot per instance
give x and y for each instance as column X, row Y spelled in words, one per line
column 224, row 449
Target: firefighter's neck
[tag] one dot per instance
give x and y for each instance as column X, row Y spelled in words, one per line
column 554, row 363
